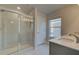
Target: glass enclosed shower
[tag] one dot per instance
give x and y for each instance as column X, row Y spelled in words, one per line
column 16, row 31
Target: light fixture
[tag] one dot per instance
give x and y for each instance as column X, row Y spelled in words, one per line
column 18, row 7
column 11, row 22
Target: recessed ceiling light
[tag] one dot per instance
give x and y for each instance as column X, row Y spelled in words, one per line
column 18, row 7
column 11, row 22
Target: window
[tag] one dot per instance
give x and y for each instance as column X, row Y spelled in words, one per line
column 55, row 28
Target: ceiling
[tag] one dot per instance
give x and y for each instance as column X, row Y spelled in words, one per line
column 48, row 8
column 45, row 8
column 24, row 7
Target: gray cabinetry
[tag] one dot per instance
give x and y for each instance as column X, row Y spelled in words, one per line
column 56, row 49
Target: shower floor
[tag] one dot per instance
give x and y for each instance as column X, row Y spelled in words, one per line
column 14, row 49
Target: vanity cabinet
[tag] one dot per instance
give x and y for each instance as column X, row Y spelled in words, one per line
column 57, row 49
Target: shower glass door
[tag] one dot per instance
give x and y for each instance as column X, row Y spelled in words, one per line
column 16, row 32
column 9, row 32
column 26, row 39
column 1, row 34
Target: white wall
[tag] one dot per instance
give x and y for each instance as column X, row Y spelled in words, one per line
column 40, row 28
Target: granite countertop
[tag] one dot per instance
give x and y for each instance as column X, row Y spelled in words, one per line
column 66, row 43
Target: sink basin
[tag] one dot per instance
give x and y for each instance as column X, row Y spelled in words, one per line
column 69, row 38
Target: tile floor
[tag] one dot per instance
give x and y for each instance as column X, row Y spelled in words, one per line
column 41, row 50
